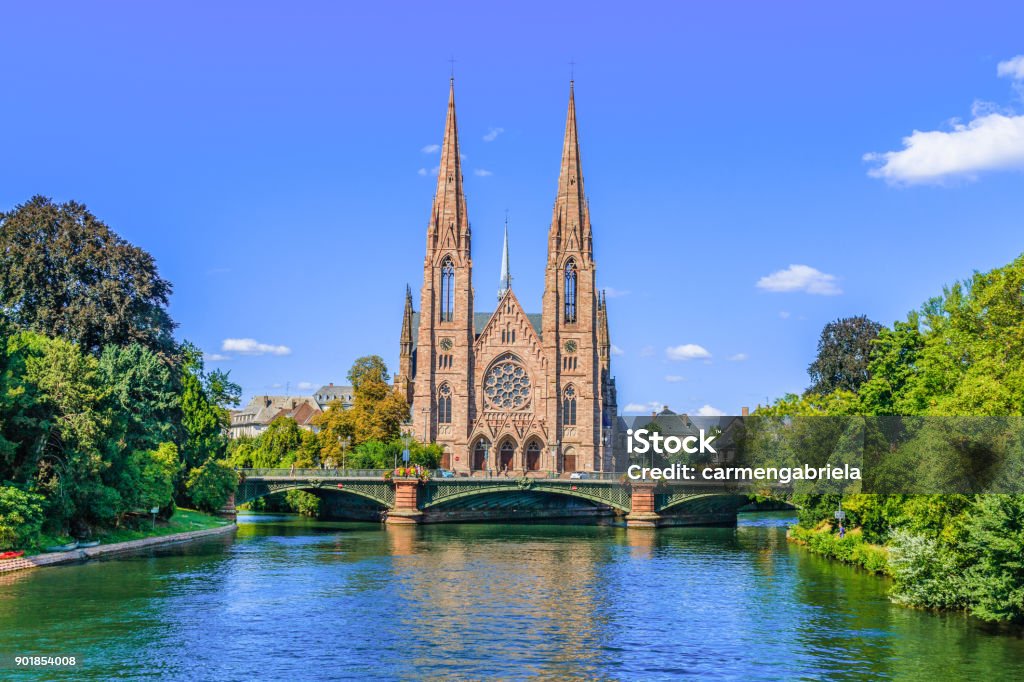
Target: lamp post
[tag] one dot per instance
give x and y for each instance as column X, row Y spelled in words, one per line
column 554, row 457
column 344, row 443
column 606, row 441
column 406, row 441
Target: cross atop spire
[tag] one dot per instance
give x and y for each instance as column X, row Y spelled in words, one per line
column 570, row 225
column 449, row 225
column 506, row 275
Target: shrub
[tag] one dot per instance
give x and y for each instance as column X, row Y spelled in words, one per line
column 21, row 517
column 924, row 572
column 210, row 485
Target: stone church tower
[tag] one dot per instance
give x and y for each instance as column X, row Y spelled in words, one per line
column 510, row 390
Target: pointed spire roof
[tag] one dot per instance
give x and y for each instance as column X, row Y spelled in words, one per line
column 407, row 322
column 449, row 224
column 505, row 283
column 571, row 220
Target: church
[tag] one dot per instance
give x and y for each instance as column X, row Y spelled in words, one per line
column 509, row 391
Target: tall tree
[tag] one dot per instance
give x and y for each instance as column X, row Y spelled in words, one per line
column 844, row 350
column 64, row 273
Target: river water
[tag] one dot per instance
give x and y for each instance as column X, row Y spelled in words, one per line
column 298, row 600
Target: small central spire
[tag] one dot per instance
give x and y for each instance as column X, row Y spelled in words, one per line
column 506, row 275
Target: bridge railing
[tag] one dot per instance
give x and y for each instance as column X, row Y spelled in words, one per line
column 436, row 473
column 313, row 473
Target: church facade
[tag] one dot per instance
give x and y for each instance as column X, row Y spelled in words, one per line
column 510, row 391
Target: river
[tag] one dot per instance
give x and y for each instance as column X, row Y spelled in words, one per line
column 296, row 600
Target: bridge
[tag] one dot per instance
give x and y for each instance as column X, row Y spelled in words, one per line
column 371, row 493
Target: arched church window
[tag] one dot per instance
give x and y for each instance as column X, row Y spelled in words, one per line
column 569, row 406
column 444, row 404
column 570, row 291
column 447, row 289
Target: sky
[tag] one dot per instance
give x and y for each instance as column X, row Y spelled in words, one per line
column 754, row 170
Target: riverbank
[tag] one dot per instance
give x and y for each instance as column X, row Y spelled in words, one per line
column 850, row 549
column 166, row 535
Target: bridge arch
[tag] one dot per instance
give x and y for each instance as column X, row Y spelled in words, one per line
column 379, row 492
column 700, row 503
column 438, row 497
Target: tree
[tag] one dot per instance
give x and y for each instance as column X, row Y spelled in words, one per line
column 843, row 353
column 892, row 368
column 377, row 413
column 204, row 416
column 64, row 273
column 368, row 369
column 210, row 485
column 141, row 395
column 21, row 517
column 996, row 542
column 283, row 444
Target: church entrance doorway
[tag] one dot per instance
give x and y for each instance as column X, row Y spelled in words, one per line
column 533, row 456
column 508, row 451
column 569, row 460
column 480, row 454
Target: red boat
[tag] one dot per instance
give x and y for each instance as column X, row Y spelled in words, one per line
column 11, row 555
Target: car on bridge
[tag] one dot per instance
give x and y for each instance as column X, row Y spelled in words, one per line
column 579, row 475
column 445, row 473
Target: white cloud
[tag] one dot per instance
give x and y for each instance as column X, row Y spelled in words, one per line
column 422, row 171
column 482, row 172
column 1014, row 68
column 306, row 385
column 653, row 406
column 992, row 141
column 492, row 134
column 687, row 351
column 253, row 347
column 612, row 292
column 709, row 411
column 674, row 378
column 784, row 314
column 739, row 357
column 617, row 351
column 800, row 278
column 431, row 149
column 215, row 357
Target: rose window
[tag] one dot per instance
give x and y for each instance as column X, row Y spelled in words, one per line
column 507, row 385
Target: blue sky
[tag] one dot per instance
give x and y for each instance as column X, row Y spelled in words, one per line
column 269, row 156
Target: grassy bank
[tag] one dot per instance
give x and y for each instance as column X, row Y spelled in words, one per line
column 183, row 521
column 851, row 549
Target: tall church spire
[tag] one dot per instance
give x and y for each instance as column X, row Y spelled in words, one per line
column 506, row 275
column 570, row 225
column 449, row 228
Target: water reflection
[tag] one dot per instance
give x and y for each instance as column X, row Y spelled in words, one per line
column 294, row 599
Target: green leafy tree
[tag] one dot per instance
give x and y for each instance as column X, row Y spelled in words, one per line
column 21, row 517
column 142, row 399
column 283, row 444
column 204, row 402
column 995, row 535
column 64, row 273
column 210, row 485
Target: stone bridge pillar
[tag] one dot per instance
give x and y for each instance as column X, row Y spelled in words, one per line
column 641, row 513
column 406, row 510
column 228, row 510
